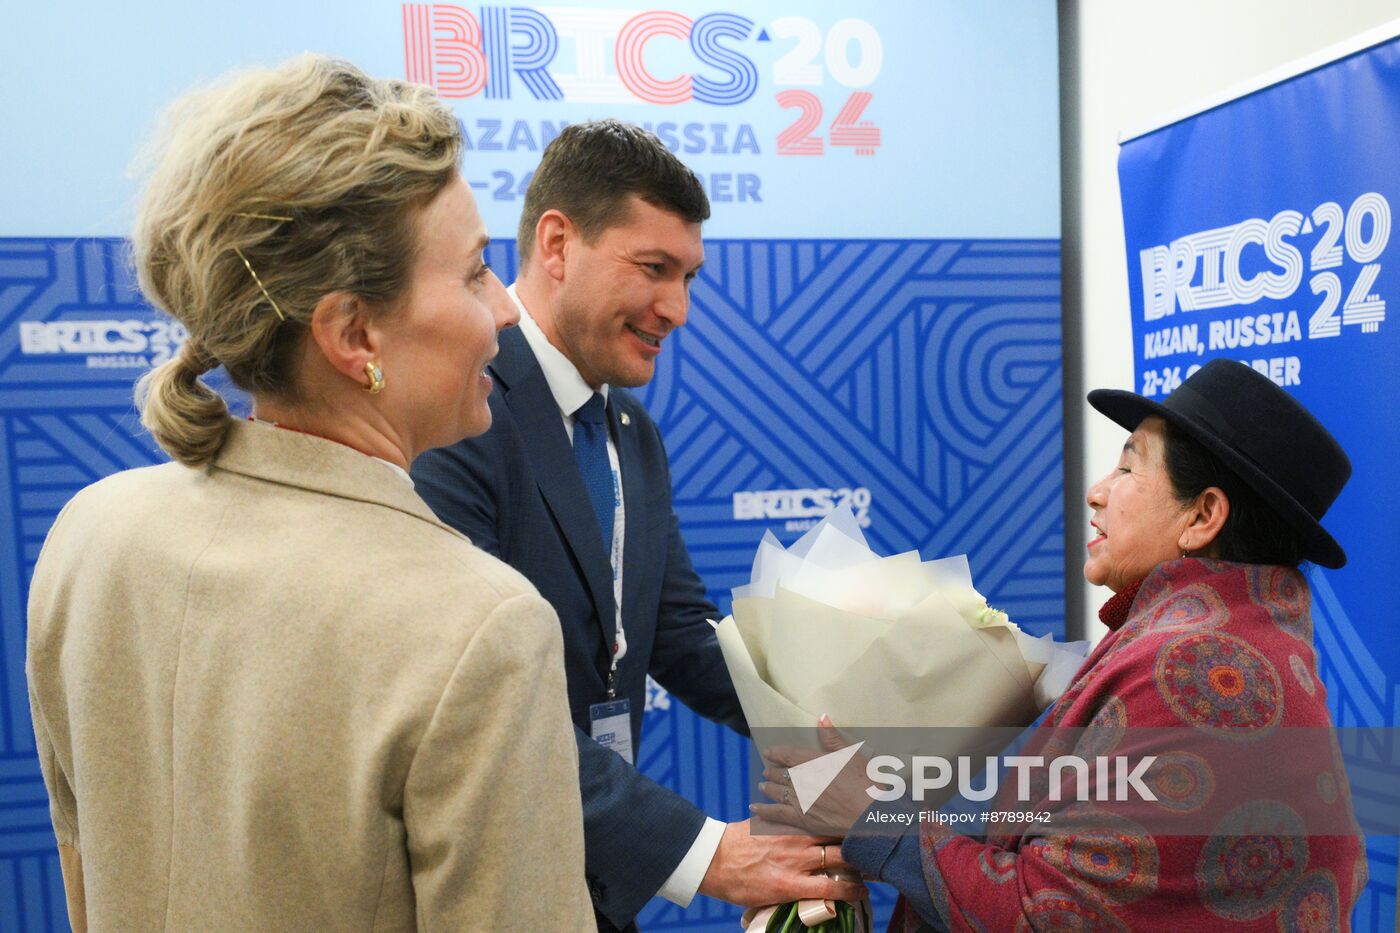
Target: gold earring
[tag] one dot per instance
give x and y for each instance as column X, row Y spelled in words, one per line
column 376, row 378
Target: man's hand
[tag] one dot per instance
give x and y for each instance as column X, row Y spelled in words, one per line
column 754, row 871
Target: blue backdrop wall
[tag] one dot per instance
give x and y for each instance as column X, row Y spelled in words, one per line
column 877, row 321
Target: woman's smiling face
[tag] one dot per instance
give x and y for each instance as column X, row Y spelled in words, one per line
column 1137, row 519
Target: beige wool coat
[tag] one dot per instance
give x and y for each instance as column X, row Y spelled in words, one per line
column 279, row 694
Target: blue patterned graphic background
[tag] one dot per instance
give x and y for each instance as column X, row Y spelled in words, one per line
column 1360, row 693
column 926, row 372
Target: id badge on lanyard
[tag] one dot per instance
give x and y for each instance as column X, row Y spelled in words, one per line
column 610, row 722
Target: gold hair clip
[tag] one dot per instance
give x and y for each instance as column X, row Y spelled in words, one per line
column 262, row 216
column 280, row 315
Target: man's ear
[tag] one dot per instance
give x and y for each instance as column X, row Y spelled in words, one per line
column 554, row 236
column 341, row 328
column 1206, row 518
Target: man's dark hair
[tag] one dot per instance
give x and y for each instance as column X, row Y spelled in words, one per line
column 589, row 171
column 1254, row 533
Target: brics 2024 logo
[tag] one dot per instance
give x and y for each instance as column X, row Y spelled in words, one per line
column 105, row 344
column 802, row 508
column 657, row 57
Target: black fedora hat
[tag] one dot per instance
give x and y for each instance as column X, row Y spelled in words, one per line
column 1261, row 433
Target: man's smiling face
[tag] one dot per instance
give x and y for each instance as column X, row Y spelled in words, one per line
column 624, row 292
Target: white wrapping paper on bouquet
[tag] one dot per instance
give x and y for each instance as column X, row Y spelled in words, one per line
column 828, row 626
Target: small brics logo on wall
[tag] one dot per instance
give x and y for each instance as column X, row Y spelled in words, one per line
column 105, row 344
column 801, row 508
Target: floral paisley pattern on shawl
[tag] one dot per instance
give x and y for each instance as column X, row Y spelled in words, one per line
column 1204, row 645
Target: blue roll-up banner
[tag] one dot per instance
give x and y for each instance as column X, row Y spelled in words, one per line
column 877, row 322
column 1261, row 230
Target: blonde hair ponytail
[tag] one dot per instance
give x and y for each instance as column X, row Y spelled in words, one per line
column 186, row 417
column 270, row 191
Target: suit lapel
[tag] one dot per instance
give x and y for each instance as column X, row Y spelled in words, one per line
column 551, row 459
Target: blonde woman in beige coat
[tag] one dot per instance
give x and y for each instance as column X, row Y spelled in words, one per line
column 270, row 690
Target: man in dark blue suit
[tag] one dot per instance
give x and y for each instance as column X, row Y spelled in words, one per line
column 571, row 487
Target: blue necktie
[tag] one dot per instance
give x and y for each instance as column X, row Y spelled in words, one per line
column 591, row 452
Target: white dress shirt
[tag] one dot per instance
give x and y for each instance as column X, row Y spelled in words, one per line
column 570, row 392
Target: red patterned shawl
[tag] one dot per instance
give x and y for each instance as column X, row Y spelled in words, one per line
column 1206, row 645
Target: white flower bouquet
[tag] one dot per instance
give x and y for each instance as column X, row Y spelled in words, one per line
column 828, row 626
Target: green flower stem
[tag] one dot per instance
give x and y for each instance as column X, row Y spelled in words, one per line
column 787, row 920
column 783, row 913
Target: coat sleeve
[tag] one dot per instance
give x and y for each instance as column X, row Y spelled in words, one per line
column 637, row 831
column 686, row 658
column 63, row 810
column 63, row 802
column 491, row 802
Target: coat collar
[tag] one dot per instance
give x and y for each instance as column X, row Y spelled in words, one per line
column 515, row 364
column 304, row 461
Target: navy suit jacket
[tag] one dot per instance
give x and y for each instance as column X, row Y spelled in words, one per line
column 516, row 492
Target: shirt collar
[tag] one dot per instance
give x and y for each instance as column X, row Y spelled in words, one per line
column 400, row 471
column 569, row 389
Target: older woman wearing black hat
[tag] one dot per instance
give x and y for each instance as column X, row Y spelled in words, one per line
column 1208, row 668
